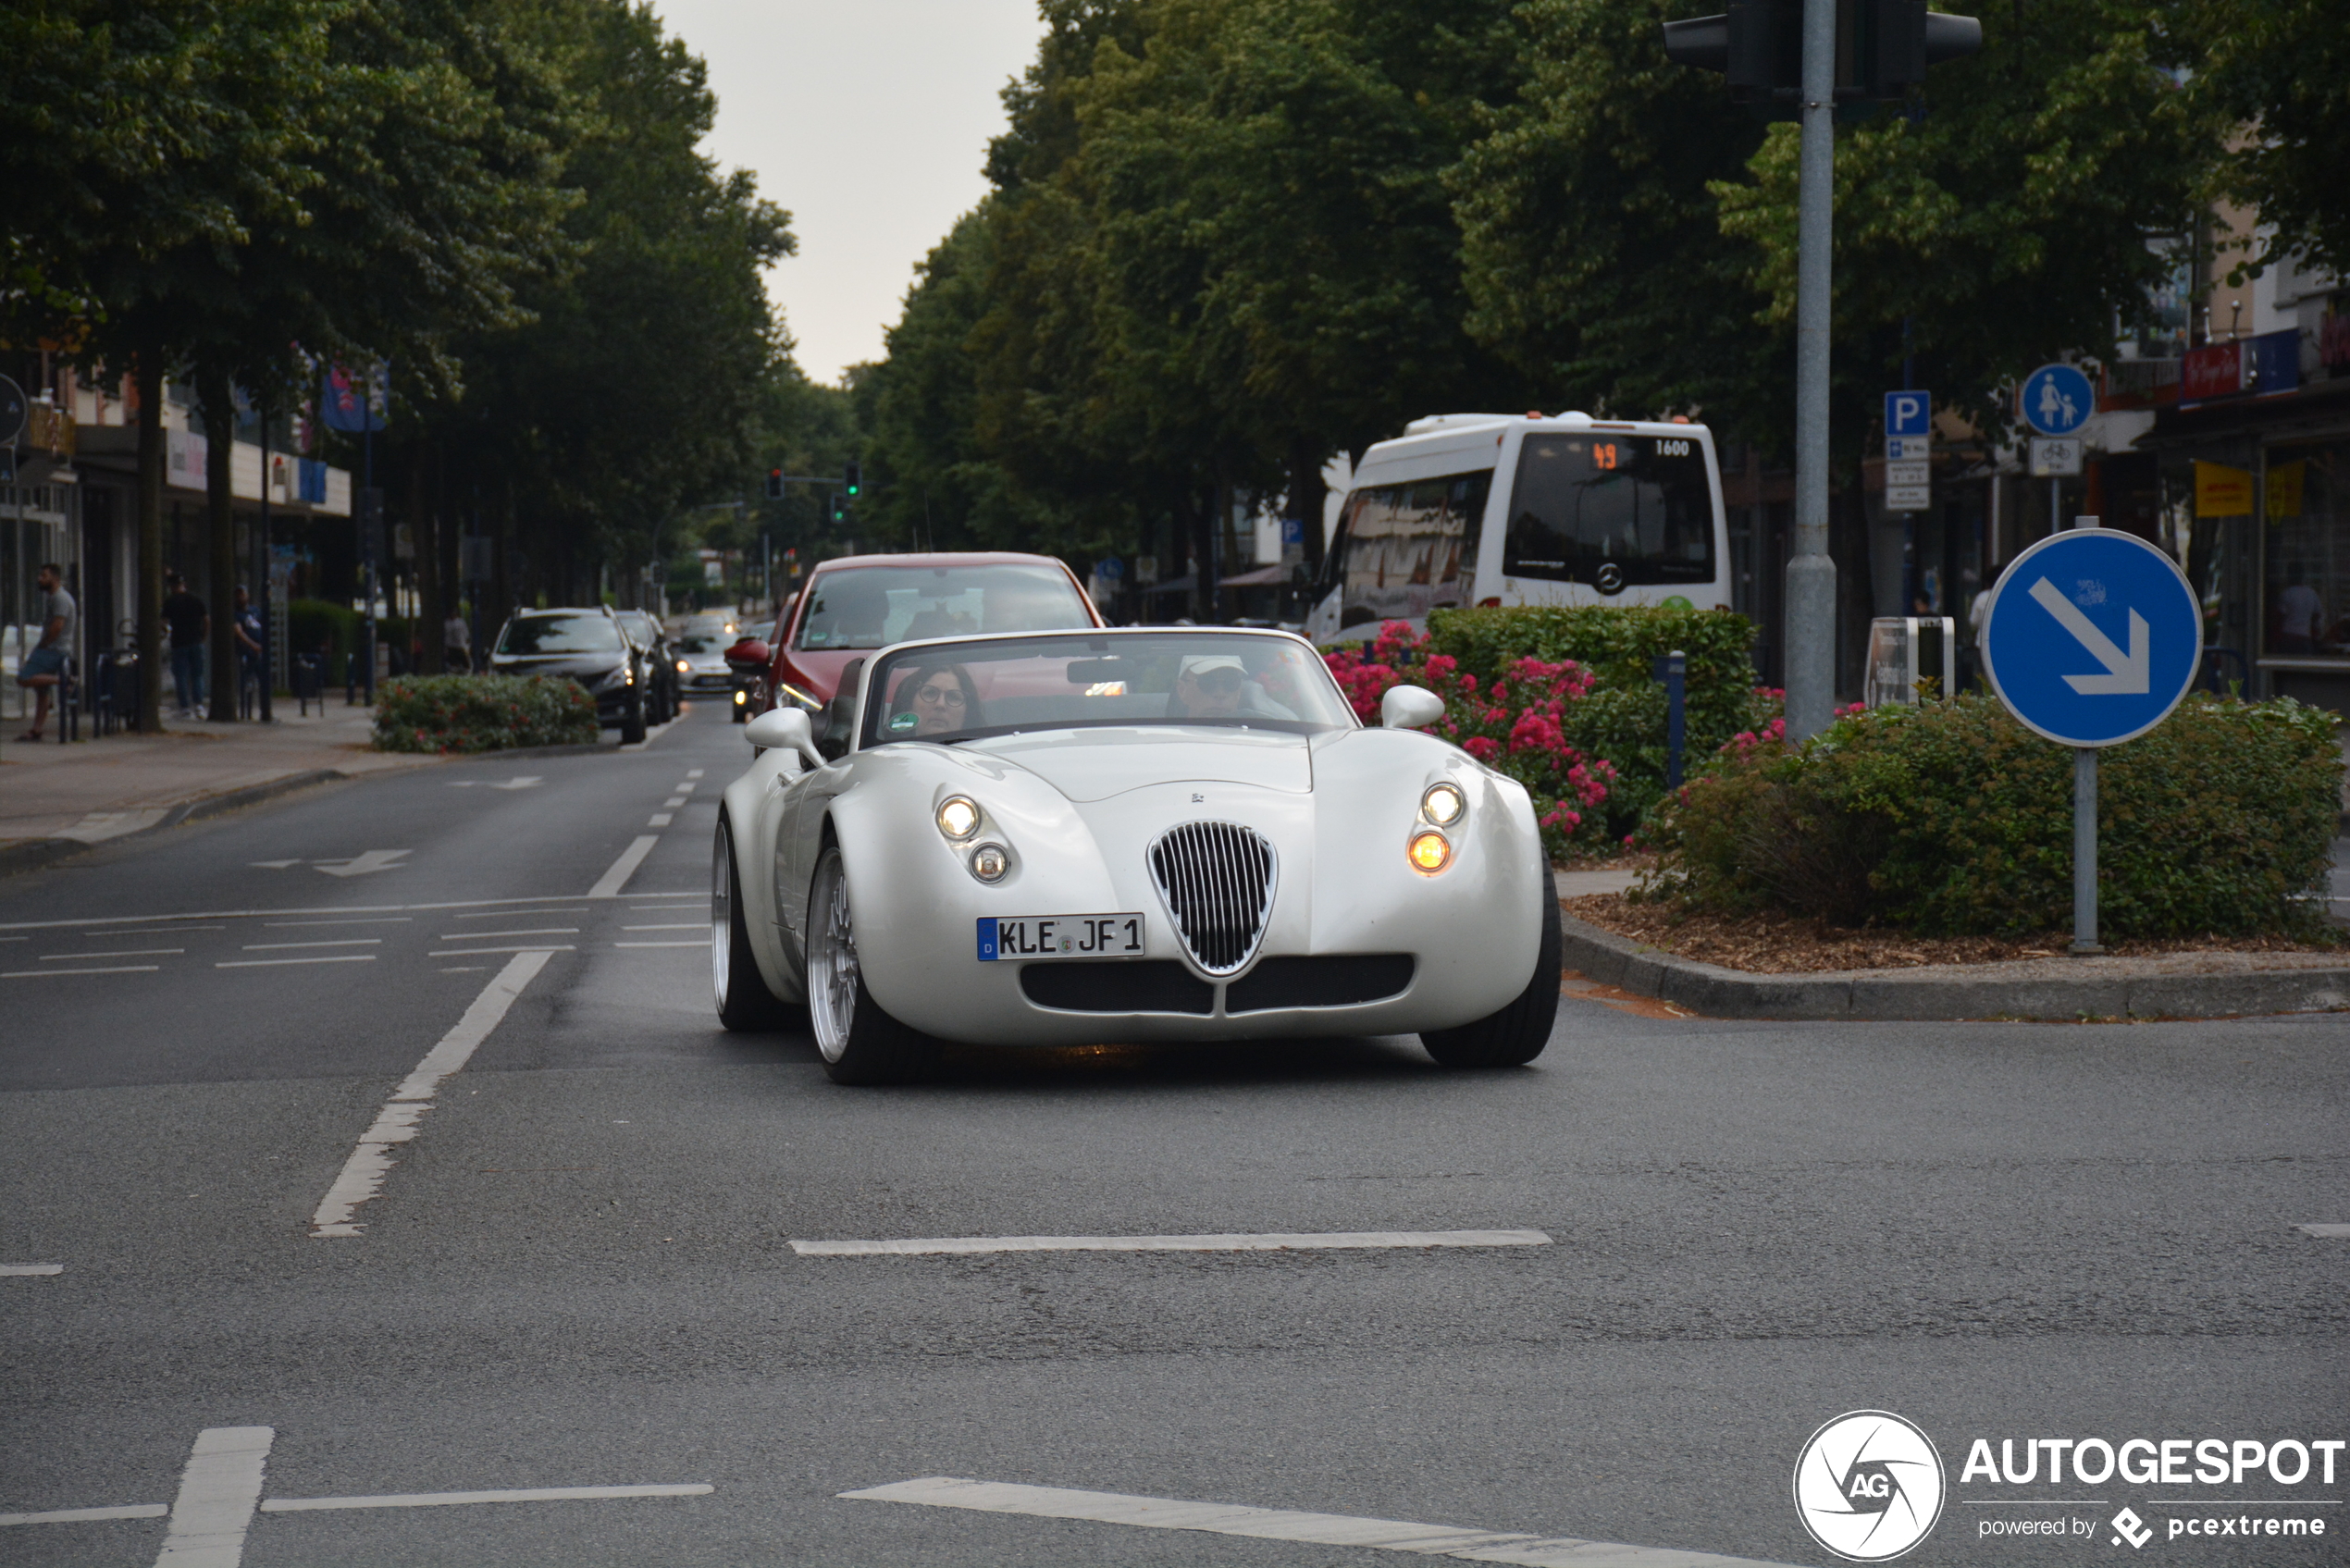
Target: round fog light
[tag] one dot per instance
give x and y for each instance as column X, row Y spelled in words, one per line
column 989, row 862
column 741, row 698
column 957, row 818
column 1443, row 804
column 1428, row 851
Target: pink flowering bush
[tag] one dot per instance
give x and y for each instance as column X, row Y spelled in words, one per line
column 1516, row 725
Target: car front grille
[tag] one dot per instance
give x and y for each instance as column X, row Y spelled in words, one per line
column 1217, row 880
column 1329, row 980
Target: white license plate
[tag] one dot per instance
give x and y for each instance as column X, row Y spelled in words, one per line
column 1061, row 936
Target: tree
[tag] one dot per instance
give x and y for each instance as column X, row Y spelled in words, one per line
column 2280, row 70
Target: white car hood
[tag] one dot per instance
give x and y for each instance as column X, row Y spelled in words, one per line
column 1093, row 764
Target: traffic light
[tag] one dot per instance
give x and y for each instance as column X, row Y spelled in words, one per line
column 852, row 478
column 840, row 508
column 774, row 483
column 1882, row 47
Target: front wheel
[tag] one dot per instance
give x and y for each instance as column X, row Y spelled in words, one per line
column 1516, row 1034
column 859, row 1042
column 744, row 1004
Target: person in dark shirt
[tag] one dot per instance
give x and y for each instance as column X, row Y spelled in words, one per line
column 190, row 624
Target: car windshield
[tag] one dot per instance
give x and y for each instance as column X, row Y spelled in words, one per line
column 560, row 633
column 692, row 643
column 643, row 626
column 965, row 691
column 875, row 606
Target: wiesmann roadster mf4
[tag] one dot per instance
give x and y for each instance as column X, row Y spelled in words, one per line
column 1169, row 834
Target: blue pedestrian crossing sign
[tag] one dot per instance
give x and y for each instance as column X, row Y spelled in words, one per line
column 1909, row 414
column 2092, row 637
column 2058, row 400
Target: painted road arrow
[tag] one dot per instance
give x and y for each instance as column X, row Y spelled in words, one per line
column 2127, row 674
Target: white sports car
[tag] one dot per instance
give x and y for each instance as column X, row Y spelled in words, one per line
column 1167, row 835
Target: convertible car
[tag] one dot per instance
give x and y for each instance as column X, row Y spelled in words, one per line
column 1171, row 835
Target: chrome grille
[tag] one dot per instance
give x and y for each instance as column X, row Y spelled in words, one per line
column 1217, row 880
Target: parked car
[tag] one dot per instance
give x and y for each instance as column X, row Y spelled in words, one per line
column 1140, row 835
column 590, row 647
column 856, row 604
column 700, row 650
column 661, row 663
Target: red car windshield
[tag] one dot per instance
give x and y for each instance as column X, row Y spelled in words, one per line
column 875, row 606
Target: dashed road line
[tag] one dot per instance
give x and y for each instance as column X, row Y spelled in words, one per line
column 703, row 943
column 673, row 803
column 87, row 1515
column 376, row 921
column 612, row 881
column 659, row 820
column 45, row 974
column 337, row 942
column 689, row 925
column 147, row 930
column 447, row 1500
column 519, row 914
column 363, row 1174
column 693, row 773
column 2326, row 1232
column 124, row 953
column 23, row 1268
column 531, row 947
column 1288, row 1524
column 1272, row 1242
column 218, row 1491
column 493, row 935
column 277, row 963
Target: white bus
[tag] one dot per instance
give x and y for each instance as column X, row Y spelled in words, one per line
column 1485, row 509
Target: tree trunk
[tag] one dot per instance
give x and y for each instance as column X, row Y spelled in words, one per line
column 218, row 399
column 151, row 673
column 429, row 495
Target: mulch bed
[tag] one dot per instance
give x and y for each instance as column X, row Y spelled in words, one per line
column 1770, row 942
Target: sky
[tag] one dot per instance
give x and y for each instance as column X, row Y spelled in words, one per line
column 868, row 121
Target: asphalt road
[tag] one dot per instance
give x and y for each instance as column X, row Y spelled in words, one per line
column 577, row 1272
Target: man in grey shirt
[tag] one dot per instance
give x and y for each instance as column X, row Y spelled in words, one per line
column 45, row 665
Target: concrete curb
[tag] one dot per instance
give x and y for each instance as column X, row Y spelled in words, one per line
column 1944, row 993
column 34, row 853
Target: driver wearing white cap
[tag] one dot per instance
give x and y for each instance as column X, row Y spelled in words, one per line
column 1216, row 686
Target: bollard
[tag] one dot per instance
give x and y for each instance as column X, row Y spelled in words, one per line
column 1673, row 670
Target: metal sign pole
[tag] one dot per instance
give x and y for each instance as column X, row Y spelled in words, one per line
column 2084, row 851
column 1811, row 572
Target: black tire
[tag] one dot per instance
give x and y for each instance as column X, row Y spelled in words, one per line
column 744, row 1004
column 1516, row 1034
column 858, row 1041
column 631, row 717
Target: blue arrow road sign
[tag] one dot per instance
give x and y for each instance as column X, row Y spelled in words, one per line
column 1909, row 414
column 2058, row 400
column 2092, row 638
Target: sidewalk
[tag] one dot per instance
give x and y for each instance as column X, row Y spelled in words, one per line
column 100, row 789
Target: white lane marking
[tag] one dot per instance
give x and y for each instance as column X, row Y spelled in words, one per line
column 493, row 935
column 335, row 942
column 484, row 783
column 693, row 773
column 376, row 921
column 658, row 820
column 536, row 898
column 689, row 925
column 273, row 963
column 43, row 974
column 1287, row 1525
column 217, row 1492
column 518, row 914
column 116, row 952
column 1273, row 1241
column 85, row 1515
column 272, row 865
column 703, row 943
column 466, row 969
column 673, row 803
column 612, row 881
column 363, row 1175
column 539, row 947
column 363, row 865
column 31, row 1268
column 2326, row 1232
column 445, row 1500
column 686, row 788
column 138, row 931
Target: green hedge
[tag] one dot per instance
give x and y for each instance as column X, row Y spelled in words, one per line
column 1623, row 717
column 482, row 713
column 1952, row 818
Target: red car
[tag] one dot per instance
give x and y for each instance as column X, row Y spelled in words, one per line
column 856, row 604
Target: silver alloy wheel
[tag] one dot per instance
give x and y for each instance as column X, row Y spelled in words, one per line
column 721, row 865
column 832, row 959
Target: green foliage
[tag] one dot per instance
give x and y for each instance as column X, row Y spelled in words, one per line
column 1622, row 719
column 467, row 713
column 315, row 626
column 1952, row 818
column 2280, row 65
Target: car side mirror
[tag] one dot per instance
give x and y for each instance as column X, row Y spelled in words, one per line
column 785, row 729
column 1410, row 707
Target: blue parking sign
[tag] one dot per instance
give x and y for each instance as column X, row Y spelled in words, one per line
column 1909, row 414
column 2092, row 638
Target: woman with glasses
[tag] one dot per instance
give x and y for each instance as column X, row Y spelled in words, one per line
column 938, row 698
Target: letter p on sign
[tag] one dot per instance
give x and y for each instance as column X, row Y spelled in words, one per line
column 1909, row 414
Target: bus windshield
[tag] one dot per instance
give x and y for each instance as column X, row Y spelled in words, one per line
column 1638, row 505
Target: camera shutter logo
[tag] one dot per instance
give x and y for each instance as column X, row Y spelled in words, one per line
column 1869, row 1485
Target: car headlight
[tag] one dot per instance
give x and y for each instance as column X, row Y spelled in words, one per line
column 989, row 862
column 742, row 698
column 1443, row 804
column 1428, row 851
column 958, row 817
column 683, row 668
column 619, row 677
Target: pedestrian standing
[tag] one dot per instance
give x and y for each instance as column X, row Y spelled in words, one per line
column 189, row 624
column 458, row 644
column 45, row 665
column 249, row 650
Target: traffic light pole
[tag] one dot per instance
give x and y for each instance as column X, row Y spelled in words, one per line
column 1811, row 574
